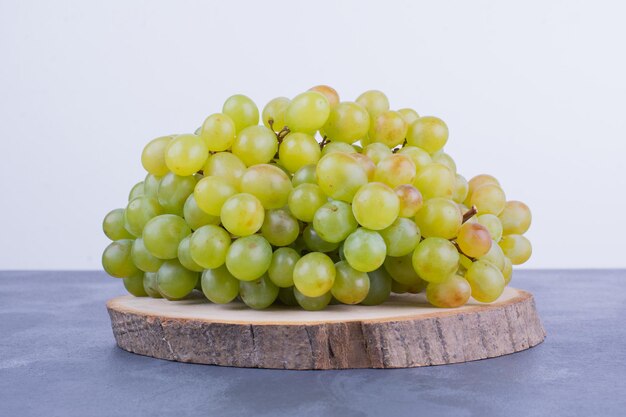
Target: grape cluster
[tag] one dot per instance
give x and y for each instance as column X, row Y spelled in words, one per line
column 327, row 201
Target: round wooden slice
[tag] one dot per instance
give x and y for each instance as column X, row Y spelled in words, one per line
column 403, row 332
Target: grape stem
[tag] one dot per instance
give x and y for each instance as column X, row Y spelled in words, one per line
column 324, row 142
column 470, row 213
column 270, row 122
column 281, row 135
column 456, row 245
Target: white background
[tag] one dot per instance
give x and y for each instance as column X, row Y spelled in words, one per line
column 533, row 92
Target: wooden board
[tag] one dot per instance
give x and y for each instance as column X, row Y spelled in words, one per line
column 403, row 332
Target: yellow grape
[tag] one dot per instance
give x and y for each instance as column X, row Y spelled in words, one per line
column 242, row 214
column 275, row 111
column 376, row 206
column 348, row 122
column 307, row 112
column 474, row 240
column 453, row 292
column 409, row 115
column 439, row 217
column 366, row 163
column 429, row 133
column 338, row 147
column 374, row 101
column 420, row 157
column 492, row 223
column 186, row 154
column 516, row 247
column 340, row 176
column 304, row 201
column 218, row 132
column 478, row 181
column 298, row 150
column 242, row 111
column 255, row 145
column 435, row 180
column 330, row 93
column 460, row 188
column 486, row 281
column 314, row 274
column 268, row 183
column 515, row 218
column 488, row 199
column 410, row 200
column 388, row 128
column 435, row 259
column 226, row 166
column 376, row 152
column 153, row 156
column 211, row 193
column 395, row 170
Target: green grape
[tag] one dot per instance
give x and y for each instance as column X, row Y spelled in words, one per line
column 507, row 271
column 280, row 228
column 282, row 265
column 195, row 216
column 298, row 150
column 162, row 235
column 443, row 158
column 388, row 128
column 435, row 259
column 249, row 257
column 136, row 191
column 315, row 243
column 465, row 263
column 211, row 193
column 134, row 285
column 242, row 111
column 488, row 198
column 495, row 256
column 377, row 152
column 143, row 259
column 186, row 154
column 219, row 286
column 376, row 206
column 305, row 175
column 304, row 201
column 218, row 132
column 460, row 188
column 493, row 225
column 314, row 274
column 287, row 296
column 138, row 212
column 340, row 176
column 476, row 182
column 117, row 261
column 374, row 101
column 366, row 163
column 435, row 180
column 395, row 170
column 401, row 270
column 338, row 147
column 184, row 255
column 401, row 237
column 453, row 292
column 307, row 112
column 151, row 185
column 174, row 281
column 255, row 145
column 312, row 303
column 226, row 166
column 113, row 225
column 420, row 157
column 334, row 221
column 329, row 92
column 347, row 122
column 209, row 246
column 474, row 240
column 275, row 111
column 429, row 133
column 351, row 286
column 267, row 183
column 153, row 156
column 173, row 192
column 258, row 294
column 380, row 288
column 365, row 250
column 410, row 198
column 515, row 218
column 486, row 281
column 150, row 285
column 409, row 115
column 398, row 288
column 516, row 247
column 439, row 217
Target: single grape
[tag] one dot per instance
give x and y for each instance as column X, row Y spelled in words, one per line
column 249, row 257
column 388, row 128
column 507, row 271
column 401, row 237
column 242, row 111
column 351, row 286
column 136, row 191
column 380, row 288
column 453, row 292
column 402, row 271
column 443, row 158
column 117, row 260
column 113, row 225
column 365, row 250
column 439, row 217
column 138, row 212
column 429, row 133
column 151, row 185
column 153, row 156
column 409, row 115
column 340, row 176
column 242, row 214
column 219, row 286
column 305, row 175
column 184, row 255
column 255, row 145
column 218, row 132
column 395, row 170
column 186, row 154
column 312, row 303
column 274, row 111
column 410, row 198
column 226, row 166
column 267, row 183
column 376, row 206
column 486, row 281
column 305, row 200
column 315, row 243
column 287, row 296
column 314, row 274
column 488, row 198
column 435, row 259
column 478, row 181
column 435, row 180
column 134, row 285
column 211, row 193
column 377, row 152
column 347, row 122
column 334, row 221
column 366, row 163
column 162, row 235
column 298, row 150
column 282, row 265
column 150, row 285
column 460, row 188
column 173, row 192
column 516, row 247
column 494, row 256
column 374, row 101
column 330, row 93
column 474, row 240
column 174, row 280
column 280, row 228
column 195, row 216
column 338, row 147
column 258, row 294
column 143, row 259
column 420, row 157
column 493, row 225
column 307, row 112
column 209, row 245
column 515, row 218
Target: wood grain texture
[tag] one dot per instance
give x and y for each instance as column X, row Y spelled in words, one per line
column 403, row 332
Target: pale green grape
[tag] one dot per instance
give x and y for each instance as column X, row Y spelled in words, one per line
column 287, row 296
column 307, row 112
column 374, row 101
column 330, row 93
column 453, row 292
column 516, row 247
column 138, row 212
column 409, row 115
column 315, row 243
column 218, row 132
column 443, row 158
column 388, row 128
column 380, row 288
column 515, row 218
column 439, row 217
column 493, row 225
column 113, row 225
column 347, row 122
column 297, row 150
column 242, row 111
column 478, row 181
column 435, row 259
column 151, row 185
column 410, row 198
column 249, row 257
column 195, row 216
column 162, row 235
column 420, row 157
column 226, row 166
column 219, row 286
column 304, row 201
column 395, row 170
column 488, row 198
column 153, row 156
column 486, row 281
column 267, row 183
column 255, row 145
column 134, row 285
column 338, row 147
column 377, row 152
column 186, row 154
column 401, row 270
column 365, row 250
column 150, row 285
column 376, row 206
column 143, row 259
column 334, row 221
column 174, row 281
column 340, row 176
column 312, row 303
column 275, row 111
column 366, row 163
column 429, row 133
column 435, row 180
column 495, row 256
column 173, row 192
column 211, row 193
column 209, row 246
column 305, row 175
column 280, row 228
column 460, row 188
column 314, row 274
column 474, row 240
column 351, row 286
column 282, row 265
column 507, row 271
column 184, row 255
column 136, row 191
column 401, row 237
column 259, row 293
column 117, row 261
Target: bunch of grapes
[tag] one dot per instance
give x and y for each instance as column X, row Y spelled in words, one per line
column 327, row 201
